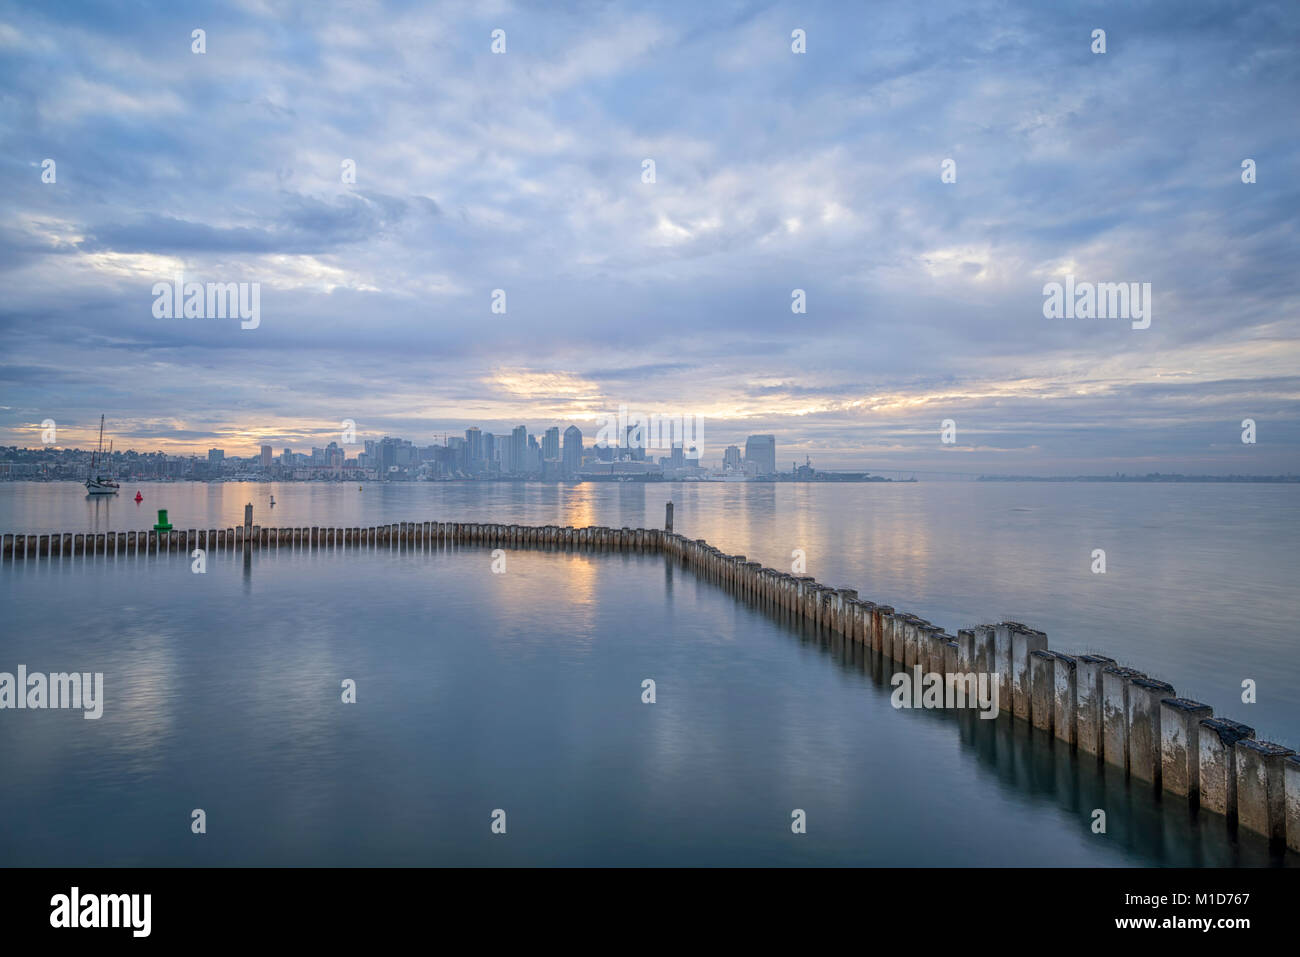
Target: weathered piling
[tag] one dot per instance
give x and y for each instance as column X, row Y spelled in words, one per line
column 1115, row 683
column 880, row 615
column 1042, row 689
column 1024, row 642
column 1144, row 734
column 1291, row 784
column 1261, row 800
column 937, row 640
column 1003, row 633
column 986, row 657
column 1064, row 697
column 966, row 650
column 1218, row 738
column 1089, row 702
column 1180, row 747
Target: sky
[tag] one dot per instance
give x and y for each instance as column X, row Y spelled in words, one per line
column 524, row 171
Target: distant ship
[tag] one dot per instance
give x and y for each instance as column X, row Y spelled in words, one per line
column 100, row 484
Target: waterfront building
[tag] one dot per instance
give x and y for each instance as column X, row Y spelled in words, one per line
column 761, row 451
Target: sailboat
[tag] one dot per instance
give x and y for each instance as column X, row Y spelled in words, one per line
column 99, row 484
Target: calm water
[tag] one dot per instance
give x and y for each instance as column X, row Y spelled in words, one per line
column 522, row 691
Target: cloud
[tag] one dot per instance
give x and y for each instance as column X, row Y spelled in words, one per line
column 775, row 171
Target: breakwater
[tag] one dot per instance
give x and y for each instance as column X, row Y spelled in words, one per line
column 1100, row 710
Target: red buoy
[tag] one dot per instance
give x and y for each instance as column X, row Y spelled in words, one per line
column 138, row 498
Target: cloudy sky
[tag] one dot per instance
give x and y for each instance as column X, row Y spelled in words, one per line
column 774, row 171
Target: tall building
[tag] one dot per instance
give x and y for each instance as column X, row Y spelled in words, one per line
column 634, row 442
column 216, row 456
column 551, row 444
column 489, row 450
column 386, row 456
column 266, row 456
column 572, row 450
column 731, row 458
column 761, row 451
column 519, row 449
column 473, row 449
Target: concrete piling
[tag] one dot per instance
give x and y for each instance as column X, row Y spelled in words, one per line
column 937, row 647
column 1144, row 732
column 1180, row 749
column 950, row 658
column 1115, row 683
column 1291, row 785
column 1041, row 706
column 1024, row 642
column 1064, row 697
column 985, row 650
column 1088, row 708
column 966, row 650
column 1217, row 739
column 881, row 615
column 1003, row 633
column 1261, row 798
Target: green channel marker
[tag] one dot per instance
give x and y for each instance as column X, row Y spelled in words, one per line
column 163, row 525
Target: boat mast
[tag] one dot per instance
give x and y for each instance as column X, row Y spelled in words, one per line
column 94, row 458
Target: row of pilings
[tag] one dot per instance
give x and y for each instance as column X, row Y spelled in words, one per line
column 1102, row 710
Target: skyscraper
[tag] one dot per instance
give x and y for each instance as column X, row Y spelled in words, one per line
column 731, row 458
column 266, row 456
column 634, row 442
column 473, row 449
column 519, row 449
column 551, row 444
column 572, row 450
column 761, row 450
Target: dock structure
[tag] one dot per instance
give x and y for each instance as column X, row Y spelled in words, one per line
column 1118, row 717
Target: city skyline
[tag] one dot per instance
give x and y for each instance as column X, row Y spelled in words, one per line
column 478, row 452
